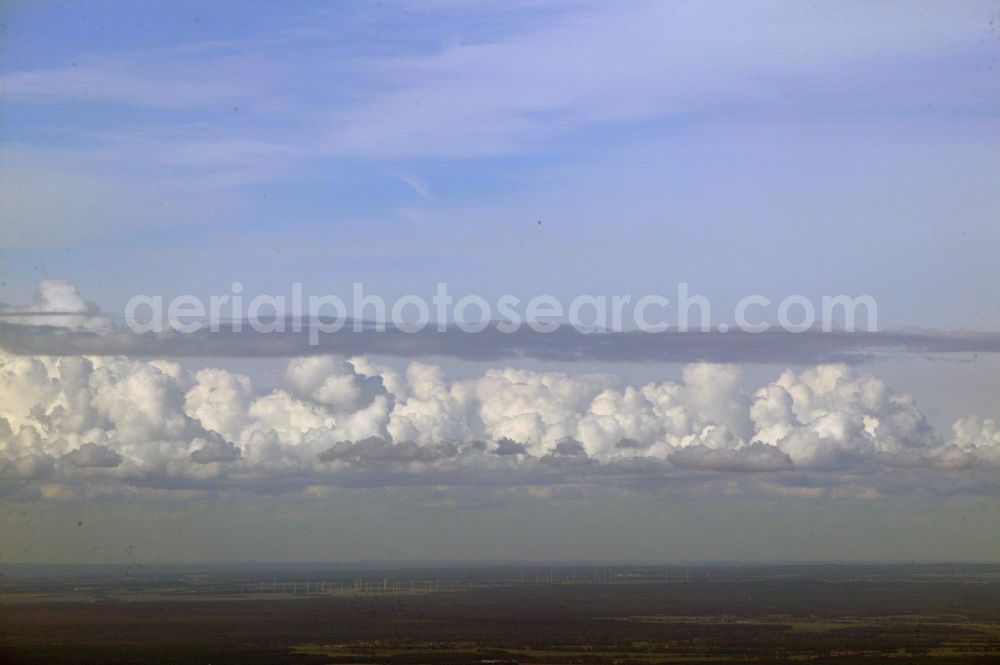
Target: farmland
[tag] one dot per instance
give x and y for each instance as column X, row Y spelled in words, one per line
column 551, row 615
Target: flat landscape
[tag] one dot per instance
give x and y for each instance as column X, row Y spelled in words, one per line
column 453, row 615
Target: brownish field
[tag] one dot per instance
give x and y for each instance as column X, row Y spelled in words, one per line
column 752, row 615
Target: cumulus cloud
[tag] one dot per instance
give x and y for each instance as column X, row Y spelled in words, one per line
column 58, row 304
column 93, row 455
column 215, row 450
column 755, row 457
column 27, row 467
column 375, row 450
column 347, row 420
column 569, row 448
column 832, row 417
column 507, row 446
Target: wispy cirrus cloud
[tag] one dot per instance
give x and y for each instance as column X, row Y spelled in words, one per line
column 200, row 118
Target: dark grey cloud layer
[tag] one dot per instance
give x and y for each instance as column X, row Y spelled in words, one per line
column 564, row 345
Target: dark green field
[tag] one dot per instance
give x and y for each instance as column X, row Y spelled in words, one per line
column 497, row 615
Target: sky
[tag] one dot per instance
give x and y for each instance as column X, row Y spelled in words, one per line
column 522, row 148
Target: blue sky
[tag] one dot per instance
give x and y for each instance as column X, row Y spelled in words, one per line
column 838, row 148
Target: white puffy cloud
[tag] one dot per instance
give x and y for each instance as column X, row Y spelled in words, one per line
column 831, row 416
column 220, row 401
column 538, row 409
column 975, row 441
column 57, row 303
column 114, row 419
column 432, row 409
column 142, row 401
column 975, row 432
column 333, row 381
